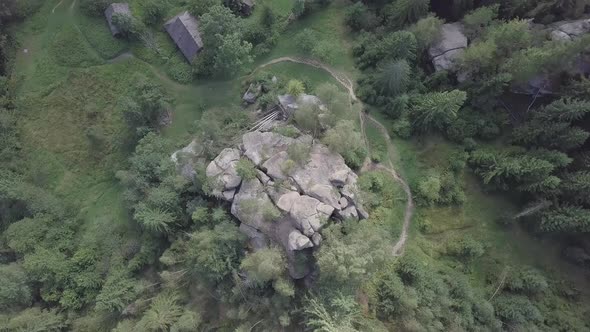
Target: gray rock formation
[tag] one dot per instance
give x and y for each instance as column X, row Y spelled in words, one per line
column 288, row 206
column 223, row 169
column 449, row 47
column 569, row 30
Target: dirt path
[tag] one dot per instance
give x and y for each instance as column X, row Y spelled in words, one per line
column 347, row 83
column 398, row 248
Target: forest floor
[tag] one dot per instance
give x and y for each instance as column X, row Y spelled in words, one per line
column 61, row 98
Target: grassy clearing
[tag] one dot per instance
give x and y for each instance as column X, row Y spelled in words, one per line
column 329, row 25
column 506, row 248
column 98, row 35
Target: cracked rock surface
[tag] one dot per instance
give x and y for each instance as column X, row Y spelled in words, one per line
column 286, row 206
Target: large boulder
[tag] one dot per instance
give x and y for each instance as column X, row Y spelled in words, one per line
column 287, row 206
column 223, row 170
column 569, row 30
column 449, row 47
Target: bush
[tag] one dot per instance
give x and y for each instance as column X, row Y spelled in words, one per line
column 153, row 11
column 325, row 51
column 467, row 249
column 527, row 280
column 295, row 88
column 94, row 7
column 179, row 70
column 402, row 128
column 306, row 40
column 246, row 169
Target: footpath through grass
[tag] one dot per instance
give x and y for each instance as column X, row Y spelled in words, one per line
column 507, row 248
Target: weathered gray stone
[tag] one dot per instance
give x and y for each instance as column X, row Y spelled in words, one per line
column 349, row 213
column 316, row 238
column 275, row 164
column 257, row 239
column 252, row 93
column 298, row 241
column 569, row 30
column 248, row 205
column 449, row 47
column 343, row 202
column 306, row 198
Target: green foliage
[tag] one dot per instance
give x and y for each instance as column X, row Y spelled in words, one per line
column 214, row 253
column 478, row 20
column 570, row 219
column 232, row 55
column 418, row 297
column 200, row 7
column 517, row 310
column 128, row 26
column 295, row 88
column 69, row 48
column 118, row 291
column 346, row 259
column 436, row 110
column 189, row 321
column 527, row 281
column 341, row 314
column 246, row 169
column 575, row 187
column 359, row 17
column 153, row 11
column 467, row 249
column 94, row 7
column 394, row 77
column 163, row 312
column 264, row 266
column 36, row 319
column 144, row 104
column 551, row 127
column 14, row 289
column 347, row 141
column 426, row 30
column 399, row 45
column 403, row 12
column 527, row 173
column 179, row 70
column 306, row 40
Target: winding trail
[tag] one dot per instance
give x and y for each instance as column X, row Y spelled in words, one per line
column 347, row 83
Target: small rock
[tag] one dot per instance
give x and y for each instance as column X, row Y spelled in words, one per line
column 298, row 241
column 349, row 213
column 343, row 203
column 316, row 239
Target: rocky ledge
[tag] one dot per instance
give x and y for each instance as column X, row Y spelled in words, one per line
column 299, row 186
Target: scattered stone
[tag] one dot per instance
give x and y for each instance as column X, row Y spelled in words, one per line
column 252, row 93
column 316, row 239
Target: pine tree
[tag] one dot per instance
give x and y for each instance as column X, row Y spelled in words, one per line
column 394, row 77
column 436, row 110
column 576, row 187
column 572, row 219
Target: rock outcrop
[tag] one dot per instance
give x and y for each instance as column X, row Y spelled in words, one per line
column 291, row 198
column 569, row 30
column 449, row 47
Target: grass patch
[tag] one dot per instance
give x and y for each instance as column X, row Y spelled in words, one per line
column 98, row 35
column 70, row 49
column 328, row 23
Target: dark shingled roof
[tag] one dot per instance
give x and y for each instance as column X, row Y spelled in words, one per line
column 184, row 30
column 116, row 8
